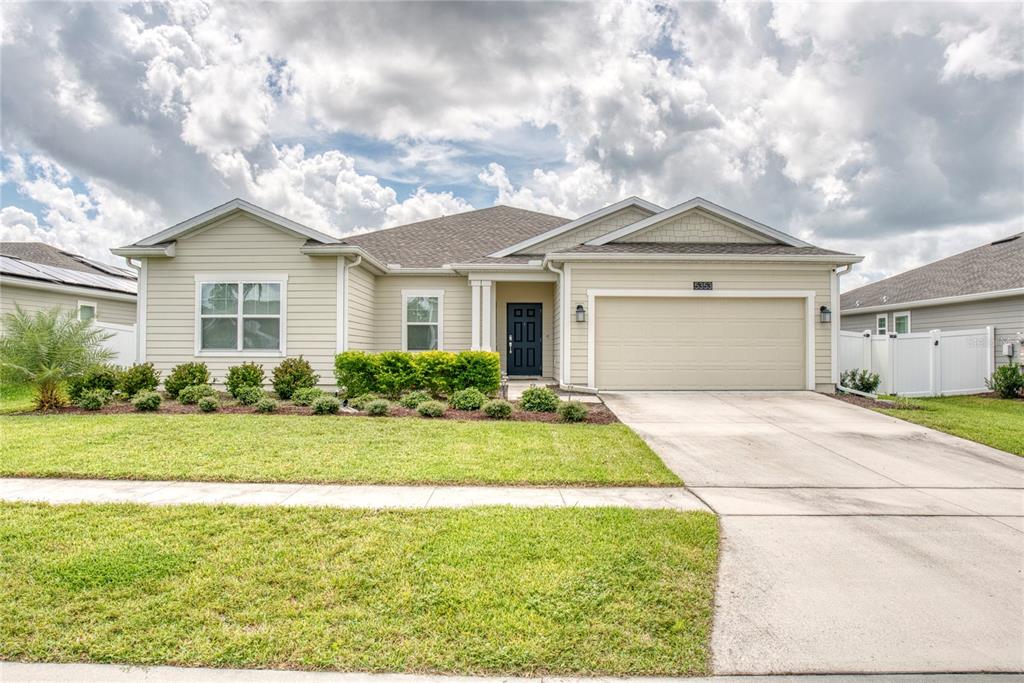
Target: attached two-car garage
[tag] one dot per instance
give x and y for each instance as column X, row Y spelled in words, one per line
column 699, row 343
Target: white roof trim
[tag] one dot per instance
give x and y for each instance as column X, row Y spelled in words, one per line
column 941, row 301
column 144, row 252
column 342, row 249
column 579, row 222
column 710, row 207
column 560, row 257
column 197, row 222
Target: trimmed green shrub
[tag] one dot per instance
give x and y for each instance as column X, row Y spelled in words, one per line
column 413, row 399
column 306, row 396
column 192, row 394
column 860, row 380
column 478, row 369
column 326, row 405
column 293, row 374
column 395, row 373
column 136, row 378
column 378, row 407
column 435, row 370
column 186, row 375
column 573, row 411
column 359, row 402
column 93, row 399
column 146, row 401
column 93, row 377
column 244, row 375
column 431, row 409
column 1007, row 381
column 266, row 405
column 356, row 372
column 539, row 400
column 497, row 409
column 467, row 399
column 208, row 404
column 249, row 396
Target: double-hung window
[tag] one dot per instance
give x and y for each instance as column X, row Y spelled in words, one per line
column 241, row 315
column 881, row 327
column 421, row 319
column 901, row 322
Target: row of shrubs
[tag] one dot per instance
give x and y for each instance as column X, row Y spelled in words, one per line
column 534, row 399
column 393, row 373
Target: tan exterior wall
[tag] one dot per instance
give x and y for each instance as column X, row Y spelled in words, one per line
column 362, row 287
column 242, row 244
column 613, row 221
column 456, row 328
column 1006, row 315
column 31, row 299
column 725, row 276
column 527, row 293
column 695, row 226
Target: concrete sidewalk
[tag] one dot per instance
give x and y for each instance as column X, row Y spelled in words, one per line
column 16, row 672
column 317, row 495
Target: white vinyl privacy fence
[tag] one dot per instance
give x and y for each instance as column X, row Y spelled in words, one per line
column 122, row 343
column 932, row 363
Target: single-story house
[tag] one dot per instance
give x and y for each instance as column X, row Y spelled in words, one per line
column 631, row 296
column 978, row 288
column 37, row 276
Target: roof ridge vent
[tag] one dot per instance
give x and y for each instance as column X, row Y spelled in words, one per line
column 1007, row 239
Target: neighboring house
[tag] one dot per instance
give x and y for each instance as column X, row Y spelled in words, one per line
column 979, row 288
column 632, row 296
column 37, row 276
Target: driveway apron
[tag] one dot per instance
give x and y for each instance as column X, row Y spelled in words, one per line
column 851, row 541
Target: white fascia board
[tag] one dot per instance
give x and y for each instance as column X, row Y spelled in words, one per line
column 579, row 222
column 781, row 258
column 710, row 207
column 14, row 281
column 132, row 251
column 942, row 301
column 535, row 265
column 343, row 250
column 218, row 212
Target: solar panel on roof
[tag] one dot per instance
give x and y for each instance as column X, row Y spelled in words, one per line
column 39, row 271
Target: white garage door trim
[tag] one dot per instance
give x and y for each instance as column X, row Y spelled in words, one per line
column 806, row 295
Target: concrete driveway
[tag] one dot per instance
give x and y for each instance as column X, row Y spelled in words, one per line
column 851, row 541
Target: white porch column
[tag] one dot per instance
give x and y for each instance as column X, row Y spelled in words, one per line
column 487, row 315
column 475, row 316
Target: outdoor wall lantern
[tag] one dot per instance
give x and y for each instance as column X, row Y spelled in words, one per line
column 581, row 314
column 826, row 314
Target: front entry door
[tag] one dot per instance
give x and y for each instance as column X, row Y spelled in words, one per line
column 524, row 339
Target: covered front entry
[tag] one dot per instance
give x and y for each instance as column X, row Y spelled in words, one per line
column 700, row 343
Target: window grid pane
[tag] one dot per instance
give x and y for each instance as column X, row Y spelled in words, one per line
column 421, row 309
column 86, row 313
column 261, row 333
column 261, row 298
column 219, row 333
column 421, row 337
column 219, row 298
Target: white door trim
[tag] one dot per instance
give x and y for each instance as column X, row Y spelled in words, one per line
column 805, row 294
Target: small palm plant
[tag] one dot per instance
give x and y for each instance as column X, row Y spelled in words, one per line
column 46, row 348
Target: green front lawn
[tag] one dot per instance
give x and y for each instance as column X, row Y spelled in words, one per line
column 16, row 398
column 492, row 590
column 290, row 448
column 994, row 422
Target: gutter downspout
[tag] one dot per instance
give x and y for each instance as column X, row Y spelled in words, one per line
column 561, row 319
column 342, row 332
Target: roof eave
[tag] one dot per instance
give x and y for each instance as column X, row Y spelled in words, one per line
column 837, row 259
column 344, row 250
column 938, row 301
column 136, row 251
column 51, row 286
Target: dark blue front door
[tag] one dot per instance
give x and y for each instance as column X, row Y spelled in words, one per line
column 524, row 339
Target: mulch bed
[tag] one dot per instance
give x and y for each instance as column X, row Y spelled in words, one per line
column 599, row 413
column 865, row 402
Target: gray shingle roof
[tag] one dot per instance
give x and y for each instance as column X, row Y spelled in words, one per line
column 38, row 252
column 459, row 238
column 989, row 268
column 700, row 248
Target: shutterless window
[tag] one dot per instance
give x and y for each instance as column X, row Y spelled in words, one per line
column 86, row 311
column 901, row 323
column 240, row 316
column 880, row 325
column 422, row 322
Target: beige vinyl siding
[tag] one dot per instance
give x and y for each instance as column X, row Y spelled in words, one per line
column 242, row 244
column 611, row 222
column 527, row 293
column 31, row 299
column 361, row 295
column 725, row 276
column 695, row 226
column 1006, row 315
column 456, row 318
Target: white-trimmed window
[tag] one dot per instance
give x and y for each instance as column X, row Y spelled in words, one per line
column 882, row 324
column 422, row 316
column 901, row 322
column 240, row 315
column 87, row 310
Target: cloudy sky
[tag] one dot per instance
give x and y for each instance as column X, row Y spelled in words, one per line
column 892, row 130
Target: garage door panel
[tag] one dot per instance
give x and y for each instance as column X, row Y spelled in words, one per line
column 697, row 343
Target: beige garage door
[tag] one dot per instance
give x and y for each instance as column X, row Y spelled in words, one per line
column 699, row 343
